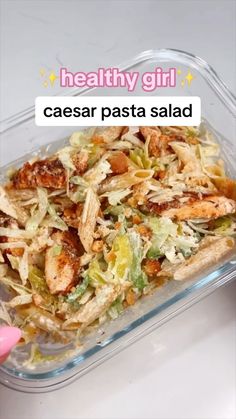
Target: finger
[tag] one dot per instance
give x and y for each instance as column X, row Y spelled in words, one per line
column 9, row 336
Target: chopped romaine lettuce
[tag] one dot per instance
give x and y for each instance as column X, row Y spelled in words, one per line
column 139, row 157
column 225, row 226
column 39, row 286
column 97, row 276
column 171, row 239
column 123, row 257
column 138, row 276
column 56, row 221
column 115, row 309
column 79, row 290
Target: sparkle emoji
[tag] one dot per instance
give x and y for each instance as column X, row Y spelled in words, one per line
column 189, row 78
column 52, row 77
column 42, row 72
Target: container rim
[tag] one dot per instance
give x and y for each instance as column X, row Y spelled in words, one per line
column 162, row 54
column 42, row 382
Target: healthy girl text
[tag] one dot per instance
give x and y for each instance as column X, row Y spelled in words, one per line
column 113, row 77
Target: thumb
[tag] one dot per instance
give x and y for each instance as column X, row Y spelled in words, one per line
column 9, row 336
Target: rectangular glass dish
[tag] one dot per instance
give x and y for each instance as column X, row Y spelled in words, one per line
column 19, row 136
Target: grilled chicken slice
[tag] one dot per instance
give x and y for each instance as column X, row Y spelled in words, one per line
column 158, row 143
column 152, row 134
column 209, row 207
column 48, row 173
column 72, row 215
column 62, row 262
column 80, row 161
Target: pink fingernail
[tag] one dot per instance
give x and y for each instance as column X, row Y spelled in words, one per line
column 9, row 336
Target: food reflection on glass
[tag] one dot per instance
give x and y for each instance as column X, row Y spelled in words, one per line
column 107, row 219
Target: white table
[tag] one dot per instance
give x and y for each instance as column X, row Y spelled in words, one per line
column 186, row 368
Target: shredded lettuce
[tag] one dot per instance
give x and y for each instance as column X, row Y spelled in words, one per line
column 35, row 220
column 79, row 290
column 171, row 240
column 115, row 309
column 97, row 277
column 162, row 227
column 65, row 157
column 79, row 194
column 39, row 286
column 81, row 139
column 56, row 221
column 115, row 197
column 98, row 173
column 139, row 157
column 225, row 226
column 95, row 152
column 138, row 276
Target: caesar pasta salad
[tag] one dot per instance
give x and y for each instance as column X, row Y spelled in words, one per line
column 106, row 220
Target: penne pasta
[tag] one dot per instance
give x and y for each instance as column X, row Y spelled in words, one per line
column 126, row 180
column 88, row 219
column 210, row 254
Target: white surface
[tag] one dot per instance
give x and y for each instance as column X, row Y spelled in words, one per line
column 187, row 368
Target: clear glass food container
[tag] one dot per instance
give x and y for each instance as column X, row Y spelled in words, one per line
column 19, row 136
